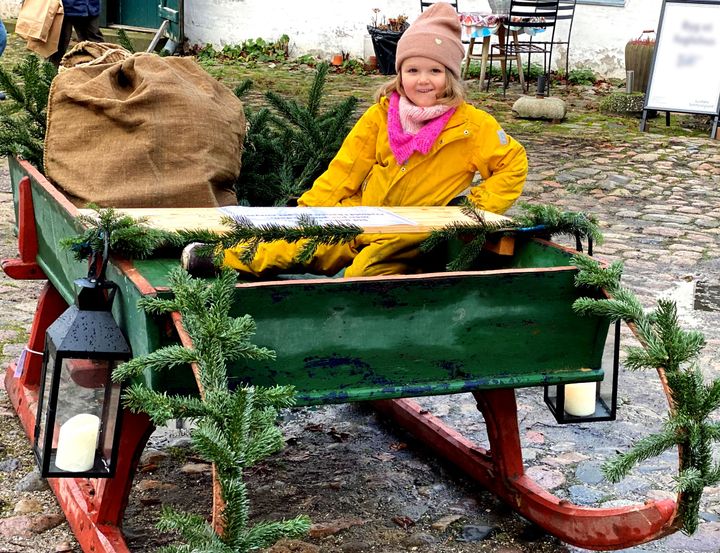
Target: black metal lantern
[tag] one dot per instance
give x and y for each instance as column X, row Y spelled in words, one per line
column 589, row 401
column 77, row 426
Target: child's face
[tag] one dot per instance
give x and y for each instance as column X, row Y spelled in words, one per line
column 423, row 80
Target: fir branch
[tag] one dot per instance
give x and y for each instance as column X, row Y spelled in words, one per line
column 161, row 407
column 235, row 428
column 267, row 533
column 166, row 358
column 667, row 347
column 124, row 41
column 650, row 446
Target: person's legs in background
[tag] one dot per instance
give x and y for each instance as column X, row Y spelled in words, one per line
column 88, row 28
column 64, row 41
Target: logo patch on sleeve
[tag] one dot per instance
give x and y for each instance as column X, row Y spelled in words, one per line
column 502, row 137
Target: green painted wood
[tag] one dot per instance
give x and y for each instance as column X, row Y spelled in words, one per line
column 139, row 13
column 348, row 341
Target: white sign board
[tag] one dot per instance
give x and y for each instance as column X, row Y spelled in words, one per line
column 686, row 75
column 289, row 216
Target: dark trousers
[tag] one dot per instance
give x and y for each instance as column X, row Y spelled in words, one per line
column 86, row 28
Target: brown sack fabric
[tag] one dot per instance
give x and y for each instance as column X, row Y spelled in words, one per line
column 93, row 53
column 48, row 46
column 36, row 17
column 145, row 132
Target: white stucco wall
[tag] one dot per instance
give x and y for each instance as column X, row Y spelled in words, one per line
column 331, row 26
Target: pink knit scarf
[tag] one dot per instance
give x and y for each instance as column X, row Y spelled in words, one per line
column 412, row 128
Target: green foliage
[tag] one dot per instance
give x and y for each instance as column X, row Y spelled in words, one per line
column 132, row 239
column 125, row 42
column 235, row 428
column 538, row 219
column 667, row 347
column 623, row 103
column 254, row 49
column 289, row 145
column 581, row 76
column 23, row 115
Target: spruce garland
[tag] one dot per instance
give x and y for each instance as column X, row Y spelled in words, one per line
column 668, row 348
column 537, row 219
column 235, row 429
column 133, row 239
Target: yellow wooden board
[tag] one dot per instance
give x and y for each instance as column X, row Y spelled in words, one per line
column 426, row 218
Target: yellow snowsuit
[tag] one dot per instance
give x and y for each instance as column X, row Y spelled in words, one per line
column 365, row 173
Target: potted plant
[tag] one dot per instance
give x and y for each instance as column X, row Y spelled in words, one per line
column 385, row 34
column 638, row 58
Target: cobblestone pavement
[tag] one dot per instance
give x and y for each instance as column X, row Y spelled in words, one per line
column 658, row 201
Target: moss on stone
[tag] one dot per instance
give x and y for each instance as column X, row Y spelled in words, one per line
column 622, row 102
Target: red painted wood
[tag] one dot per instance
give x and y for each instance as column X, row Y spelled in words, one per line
column 500, row 470
column 50, row 306
column 25, row 268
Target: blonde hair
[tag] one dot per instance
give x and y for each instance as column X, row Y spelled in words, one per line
column 453, row 95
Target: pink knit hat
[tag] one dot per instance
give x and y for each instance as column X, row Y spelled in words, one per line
column 435, row 35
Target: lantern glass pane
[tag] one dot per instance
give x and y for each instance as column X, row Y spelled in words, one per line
column 80, row 409
column 41, row 420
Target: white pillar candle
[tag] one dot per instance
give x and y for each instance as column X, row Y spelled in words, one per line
column 77, row 443
column 580, row 399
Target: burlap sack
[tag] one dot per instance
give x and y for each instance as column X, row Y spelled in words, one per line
column 93, row 53
column 145, row 132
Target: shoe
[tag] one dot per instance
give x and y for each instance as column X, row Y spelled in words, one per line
column 198, row 263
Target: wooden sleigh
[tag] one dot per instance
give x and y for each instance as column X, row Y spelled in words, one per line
column 493, row 331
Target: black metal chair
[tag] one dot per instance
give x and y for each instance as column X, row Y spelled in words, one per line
column 525, row 15
column 565, row 15
column 425, row 4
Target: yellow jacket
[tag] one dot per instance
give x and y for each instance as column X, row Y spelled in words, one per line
column 365, row 172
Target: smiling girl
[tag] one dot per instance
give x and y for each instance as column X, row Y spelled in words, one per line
column 420, row 144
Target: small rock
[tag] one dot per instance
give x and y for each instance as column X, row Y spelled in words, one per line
column 442, row 523
column 153, row 457
column 323, row 529
column 475, row 533
column 589, row 473
column 419, row 539
column 529, row 107
column 25, row 526
column 9, row 465
column 580, row 495
column 32, row 482
column 27, row 506
column 546, row 477
column 148, row 485
column 355, row 546
column 196, row 468
column 63, row 547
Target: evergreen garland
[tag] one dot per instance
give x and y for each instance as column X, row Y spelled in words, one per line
column 537, row 219
column 235, row 429
column 23, row 116
column 132, row 239
column 288, row 147
column 665, row 347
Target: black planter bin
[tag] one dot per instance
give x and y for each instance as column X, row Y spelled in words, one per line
column 385, row 46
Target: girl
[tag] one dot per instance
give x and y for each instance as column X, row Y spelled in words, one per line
column 419, row 145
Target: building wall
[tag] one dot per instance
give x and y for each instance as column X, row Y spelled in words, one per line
column 326, row 27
